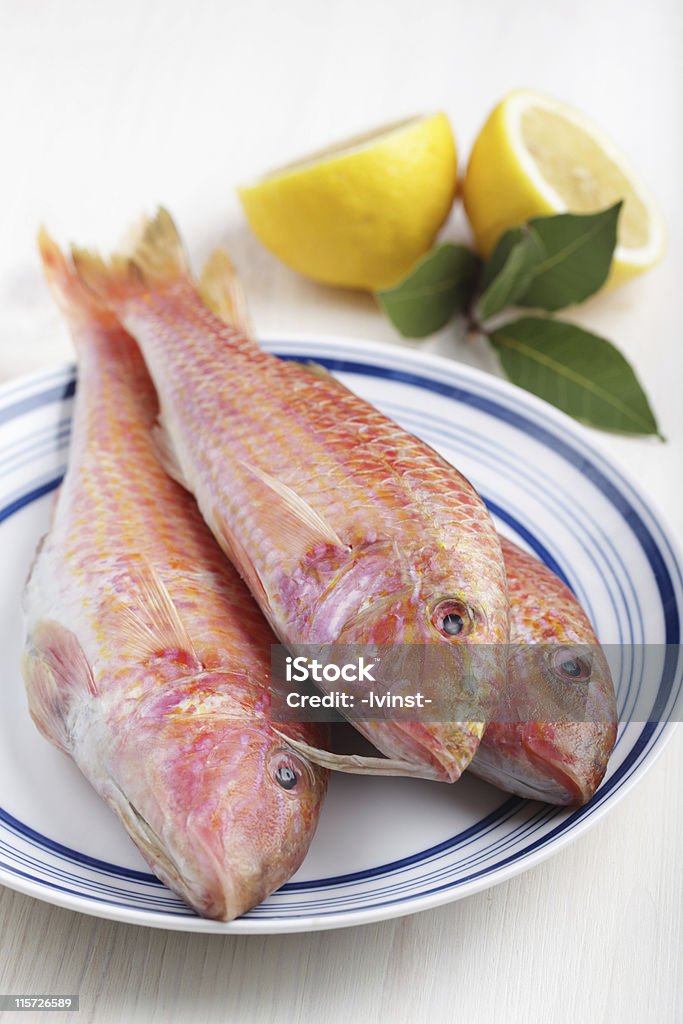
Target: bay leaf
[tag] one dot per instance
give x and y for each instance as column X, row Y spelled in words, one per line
column 496, row 261
column 514, row 263
column 439, row 286
column 578, row 255
column 581, row 373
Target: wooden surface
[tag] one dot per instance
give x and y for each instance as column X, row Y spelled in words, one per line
column 109, row 108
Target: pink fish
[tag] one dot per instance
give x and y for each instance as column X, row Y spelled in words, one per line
column 558, row 667
column 347, row 529
column 147, row 660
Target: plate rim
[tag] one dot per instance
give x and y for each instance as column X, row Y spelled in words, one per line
column 379, row 352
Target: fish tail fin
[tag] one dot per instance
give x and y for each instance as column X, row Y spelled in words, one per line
column 152, row 257
column 221, row 291
column 77, row 302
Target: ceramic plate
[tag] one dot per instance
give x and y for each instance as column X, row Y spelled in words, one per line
column 384, row 847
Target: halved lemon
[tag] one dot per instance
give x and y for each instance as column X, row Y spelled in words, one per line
column 536, row 156
column 361, row 213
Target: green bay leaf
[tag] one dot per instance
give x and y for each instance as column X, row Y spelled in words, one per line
column 510, row 271
column 501, row 251
column 439, row 286
column 579, row 372
column 578, row 255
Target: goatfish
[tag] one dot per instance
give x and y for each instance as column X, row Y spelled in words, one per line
column 346, row 528
column 146, row 660
column 557, row 671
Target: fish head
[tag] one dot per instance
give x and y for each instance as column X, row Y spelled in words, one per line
column 443, row 634
column 382, row 593
column 553, row 738
column 451, row 625
column 222, row 809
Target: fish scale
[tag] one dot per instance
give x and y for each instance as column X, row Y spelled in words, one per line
column 321, row 422
column 325, row 505
column 146, row 659
column 343, row 463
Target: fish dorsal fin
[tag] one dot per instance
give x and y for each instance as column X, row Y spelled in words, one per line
column 57, row 674
column 291, row 516
column 150, row 619
column 221, row 290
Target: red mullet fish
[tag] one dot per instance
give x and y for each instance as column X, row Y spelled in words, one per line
column 146, row 659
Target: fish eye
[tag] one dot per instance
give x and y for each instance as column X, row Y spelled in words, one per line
column 452, row 619
column 287, row 770
column 569, row 665
column 286, row 776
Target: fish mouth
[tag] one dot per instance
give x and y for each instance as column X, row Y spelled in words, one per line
column 578, row 788
column 544, row 789
column 446, row 760
column 211, row 897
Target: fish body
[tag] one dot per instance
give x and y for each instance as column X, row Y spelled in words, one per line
column 558, row 668
column 347, row 529
column 146, row 659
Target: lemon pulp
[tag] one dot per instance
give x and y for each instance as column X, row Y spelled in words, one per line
column 581, row 173
column 536, row 156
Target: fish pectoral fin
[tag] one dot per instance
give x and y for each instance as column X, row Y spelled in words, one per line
column 287, row 515
column 357, row 764
column 44, row 701
column 151, row 621
column 239, row 556
column 221, row 291
column 56, row 673
column 166, row 453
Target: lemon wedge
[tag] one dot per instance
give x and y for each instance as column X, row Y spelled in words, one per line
column 359, row 214
column 537, row 156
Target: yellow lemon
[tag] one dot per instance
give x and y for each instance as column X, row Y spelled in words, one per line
column 537, row 156
column 361, row 213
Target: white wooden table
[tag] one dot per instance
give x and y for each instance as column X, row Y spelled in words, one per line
column 110, row 108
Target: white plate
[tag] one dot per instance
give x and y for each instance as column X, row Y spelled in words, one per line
column 384, row 847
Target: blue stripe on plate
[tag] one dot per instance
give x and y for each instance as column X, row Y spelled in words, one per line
column 56, row 394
